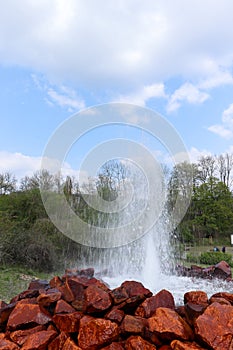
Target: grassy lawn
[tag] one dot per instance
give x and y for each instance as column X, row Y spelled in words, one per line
column 15, row 279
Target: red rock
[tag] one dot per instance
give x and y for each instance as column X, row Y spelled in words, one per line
column 168, row 325
column 20, row 336
column 115, row 315
column 222, row 270
column 2, row 304
column 38, row 285
column 165, row 347
column 96, row 332
column 56, row 282
column 51, row 327
column 114, row 346
column 27, row 294
column 63, row 307
column 181, row 310
column 71, row 272
column 96, row 299
column 196, row 297
column 162, row 299
column 39, row 340
column 48, row 297
column 58, row 342
column 8, row 345
column 130, row 305
column 47, row 301
column 138, row 343
column 26, row 315
column 215, row 326
column 179, row 345
column 70, row 345
column 86, row 282
column 79, row 305
column 152, row 337
column 67, row 322
column 133, row 325
column 134, row 288
column 225, row 295
column 66, row 292
column 222, row 301
column 192, row 311
column 76, row 287
column 27, row 301
column 119, row 295
column 5, row 313
column 89, row 272
column 75, row 290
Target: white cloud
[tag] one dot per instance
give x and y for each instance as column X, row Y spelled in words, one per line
column 70, row 100
column 224, row 130
column 186, row 93
column 195, row 154
column 217, row 78
column 144, row 94
column 221, row 131
column 61, row 95
column 21, row 165
column 105, row 45
column 18, row 164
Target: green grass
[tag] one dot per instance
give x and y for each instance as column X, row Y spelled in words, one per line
column 15, row 279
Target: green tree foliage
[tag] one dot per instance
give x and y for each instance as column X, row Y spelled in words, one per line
column 28, row 237
column 212, row 209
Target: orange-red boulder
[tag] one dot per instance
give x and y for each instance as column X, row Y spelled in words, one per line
column 20, row 336
column 138, row 343
column 96, row 299
column 26, row 315
column 180, row 345
column 196, row 297
column 162, row 299
column 63, row 307
column 133, row 325
column 39, row 340
column 222, row 270
column 8, row 345
column 134, row 288
column 67, row 322
column 115, row 315
column 168, row 325
column 215, row 326
column 96, row 332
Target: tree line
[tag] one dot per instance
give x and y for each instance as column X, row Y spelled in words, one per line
column 28, row 237
column 210, row 213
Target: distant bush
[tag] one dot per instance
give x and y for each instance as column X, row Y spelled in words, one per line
column 213, row 258
column 193, row 258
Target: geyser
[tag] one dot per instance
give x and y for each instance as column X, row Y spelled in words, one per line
column 128, row 236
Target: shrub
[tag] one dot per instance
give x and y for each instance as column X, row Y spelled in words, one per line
column 192, row 258
column 213, row 258
column 40, row 256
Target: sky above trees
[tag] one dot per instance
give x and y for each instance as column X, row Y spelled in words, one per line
column 60, row 57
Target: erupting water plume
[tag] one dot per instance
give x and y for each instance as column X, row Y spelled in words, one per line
column 124, row 225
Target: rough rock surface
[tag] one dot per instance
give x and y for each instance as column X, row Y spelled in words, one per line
column 78, row 311
column 222, row 270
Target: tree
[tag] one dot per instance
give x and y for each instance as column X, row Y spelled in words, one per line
column 224, row 166
column 7, row 183
column 40, row 179
column 207, row 167
column 211, row 212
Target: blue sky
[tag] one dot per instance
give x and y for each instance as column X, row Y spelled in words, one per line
column 59, row 57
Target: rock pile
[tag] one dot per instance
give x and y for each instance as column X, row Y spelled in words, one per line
column 222, row 270
column 78, row 311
